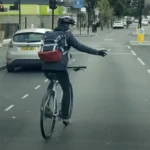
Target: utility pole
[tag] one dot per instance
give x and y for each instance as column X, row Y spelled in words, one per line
column 80, row 20
column 141, row 4
column 88, row 12
column 19, row 5
column 53, row 6
column 52, row 19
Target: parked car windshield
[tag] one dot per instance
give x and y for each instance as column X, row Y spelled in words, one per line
column 117, row 21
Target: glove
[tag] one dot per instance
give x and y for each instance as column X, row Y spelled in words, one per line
column 102, row 53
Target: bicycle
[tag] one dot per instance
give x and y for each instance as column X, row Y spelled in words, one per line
column 56, row 113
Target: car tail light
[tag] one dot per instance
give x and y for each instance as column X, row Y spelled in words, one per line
column 10, row 44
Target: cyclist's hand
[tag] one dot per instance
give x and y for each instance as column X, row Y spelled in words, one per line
column 102, row 53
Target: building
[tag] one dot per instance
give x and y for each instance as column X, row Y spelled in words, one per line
column 33, row 12
column 39, row 15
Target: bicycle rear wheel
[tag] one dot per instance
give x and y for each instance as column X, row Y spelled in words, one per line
column 48, row 114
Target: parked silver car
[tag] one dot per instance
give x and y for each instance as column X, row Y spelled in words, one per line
column 118, row 24
column 145, row 22
column 23, row 48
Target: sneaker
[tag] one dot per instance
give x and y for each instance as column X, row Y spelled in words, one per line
column 66, row 121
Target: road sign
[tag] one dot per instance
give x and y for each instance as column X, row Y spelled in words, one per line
column 78, row 3
column 141, row 31
column 83, row 9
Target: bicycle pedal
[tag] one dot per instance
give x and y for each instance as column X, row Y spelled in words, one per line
column 49, row 115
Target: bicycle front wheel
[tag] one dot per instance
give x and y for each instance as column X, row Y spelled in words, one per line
column 48, row 116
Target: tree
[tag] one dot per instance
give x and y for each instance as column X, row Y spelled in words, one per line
column 146, row 9
column 105, row 11
column 91, row 5
column 119, row 7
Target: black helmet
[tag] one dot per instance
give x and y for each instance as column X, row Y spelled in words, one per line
column 66, row 20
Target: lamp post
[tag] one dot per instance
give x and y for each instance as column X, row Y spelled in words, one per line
column 141, row 4
column 19, row 7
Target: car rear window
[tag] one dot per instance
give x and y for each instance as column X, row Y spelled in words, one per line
column 117, row 21
column 28, row 37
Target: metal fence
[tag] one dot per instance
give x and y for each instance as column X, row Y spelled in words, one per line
column 9, row 29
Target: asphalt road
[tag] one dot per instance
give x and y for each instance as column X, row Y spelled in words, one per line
column 111, row 102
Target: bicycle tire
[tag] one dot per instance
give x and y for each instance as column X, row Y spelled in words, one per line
column 49, row 94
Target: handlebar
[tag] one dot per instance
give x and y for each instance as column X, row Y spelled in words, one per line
column 77, row 68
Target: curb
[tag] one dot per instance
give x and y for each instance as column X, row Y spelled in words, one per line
column 84, row 35
column 2, row 67
column 91, row 34
column 135, row 43
column 135, row 34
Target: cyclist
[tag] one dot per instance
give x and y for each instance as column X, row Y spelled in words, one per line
column 128, row 22
column 65, row 24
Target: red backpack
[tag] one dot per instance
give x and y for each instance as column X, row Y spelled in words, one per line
column 53, row 45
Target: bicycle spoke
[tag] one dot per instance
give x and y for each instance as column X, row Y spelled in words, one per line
column 47, row 115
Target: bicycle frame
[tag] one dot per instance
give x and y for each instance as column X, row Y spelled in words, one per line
column 52, row 86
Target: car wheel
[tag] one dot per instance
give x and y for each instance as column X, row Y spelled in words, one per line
column 10, row 68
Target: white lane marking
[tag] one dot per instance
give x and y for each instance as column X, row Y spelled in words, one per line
column 13, row 117
column 108, row 39
column 46, row 80
column 133, row 52
column 148, row 71
column 141, row 61
column 37, row 87
column 120, row 53
column 117, row 46
column 129, row 47
column 8, row 108
column 25, row 96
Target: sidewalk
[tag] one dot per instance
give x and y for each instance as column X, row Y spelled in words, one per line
column 3, row 51
column 6, row 41
column 76, row 32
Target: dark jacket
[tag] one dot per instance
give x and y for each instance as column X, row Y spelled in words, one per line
column 72, row 42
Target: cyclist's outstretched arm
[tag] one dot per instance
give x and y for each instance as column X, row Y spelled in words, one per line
column 72, row 41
